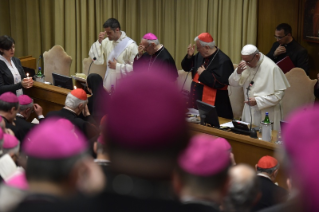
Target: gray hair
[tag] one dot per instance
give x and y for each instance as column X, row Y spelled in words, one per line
column 268, row 171
column 243, row 189
column 24, row 107
column 13, row 150
column 156, row 42
column 202, row 43
column 73, row 102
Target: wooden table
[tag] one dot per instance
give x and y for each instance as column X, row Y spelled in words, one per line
column 246, row 149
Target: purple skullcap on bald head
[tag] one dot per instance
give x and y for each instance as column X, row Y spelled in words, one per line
column 9, row 97
column 146, row 111
column 24, row 100
column 204, row 156
column 301, row 142
column 150, row 36
column 50, row 140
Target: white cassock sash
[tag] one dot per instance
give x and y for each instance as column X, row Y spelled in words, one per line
column 119, row 48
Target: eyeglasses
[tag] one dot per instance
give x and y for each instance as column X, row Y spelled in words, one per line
column 279, row 37
column 250, row 60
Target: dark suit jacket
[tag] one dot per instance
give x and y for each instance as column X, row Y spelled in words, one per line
column 6, row 77
column 14, row 129
column 23, row 127
column 271, row 194
column 86, row 126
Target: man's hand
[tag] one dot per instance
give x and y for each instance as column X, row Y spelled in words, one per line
column 241, row 67
column 190, row 50
column 101, row 36
column 37, row 109
column 280, row 50
column 251, row 102
column 112, row 64
column 141, row 50
column 86, row 111
column 200, row 70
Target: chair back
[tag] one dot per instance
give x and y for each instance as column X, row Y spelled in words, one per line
column 56, row 60
column 300, row 93
column 181, row 79
column 98, row 69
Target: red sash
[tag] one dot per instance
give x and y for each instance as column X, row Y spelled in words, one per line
column 209, row 94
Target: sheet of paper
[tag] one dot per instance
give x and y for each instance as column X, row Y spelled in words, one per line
column 193, row 111
column 7, row 167
column 35, row 121
column 228, row 124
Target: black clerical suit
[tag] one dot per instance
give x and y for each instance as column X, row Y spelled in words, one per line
column 23, row 126
column 271, row 194
column 160, row 60
column 297, row 54
column 14, row 129
column 86, row 126
column 218, row 69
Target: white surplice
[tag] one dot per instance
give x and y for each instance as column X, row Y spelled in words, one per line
column 124, row 56
column 268, row 89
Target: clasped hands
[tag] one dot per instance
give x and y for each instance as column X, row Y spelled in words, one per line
column 251, row 102
column 112, row 64
column 27, row 82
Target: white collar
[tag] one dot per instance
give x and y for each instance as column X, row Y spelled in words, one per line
column 264, row 175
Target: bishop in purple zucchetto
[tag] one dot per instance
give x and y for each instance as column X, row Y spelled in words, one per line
column 204, row 156
column 9, row 97
column 150, row 36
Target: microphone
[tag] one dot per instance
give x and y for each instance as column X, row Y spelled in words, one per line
column 94, row 58
column 253, row 132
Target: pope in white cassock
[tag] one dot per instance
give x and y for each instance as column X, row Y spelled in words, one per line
column 267, row 86
column 117, row 49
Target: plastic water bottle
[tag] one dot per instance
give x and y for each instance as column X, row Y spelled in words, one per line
column 39, row 72
column 266, row 120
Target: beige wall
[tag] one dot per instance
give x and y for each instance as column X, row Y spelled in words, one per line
column 273, row 12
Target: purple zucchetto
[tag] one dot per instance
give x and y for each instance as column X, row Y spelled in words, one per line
column 223, row 142
column 301, row 143
column 203, row 156
column 147, row 111
column 18, row 181
column 150, row 36
column 9, row 141
column 66, row 123
column 25, row 100
column 9, row 97
column 50, row 140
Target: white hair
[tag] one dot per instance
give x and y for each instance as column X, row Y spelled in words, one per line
column 24, row 107
column 202, row 43
column 73, row 102
column 156, row 42
column 13, row 150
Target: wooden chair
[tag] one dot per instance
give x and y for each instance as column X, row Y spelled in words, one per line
column 237, row 98
column 300, row 93
column 56, row 60
column 98, row 69
column 181, row 79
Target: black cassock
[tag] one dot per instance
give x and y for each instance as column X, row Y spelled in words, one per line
column 218, row 69
column 161, row 61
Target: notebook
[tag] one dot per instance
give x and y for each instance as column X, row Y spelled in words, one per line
column 285, row 64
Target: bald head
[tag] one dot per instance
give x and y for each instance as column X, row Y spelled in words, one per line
column 243, row 188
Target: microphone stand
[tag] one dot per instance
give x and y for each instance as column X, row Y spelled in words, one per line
column 94, row 58
column 253, row 132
